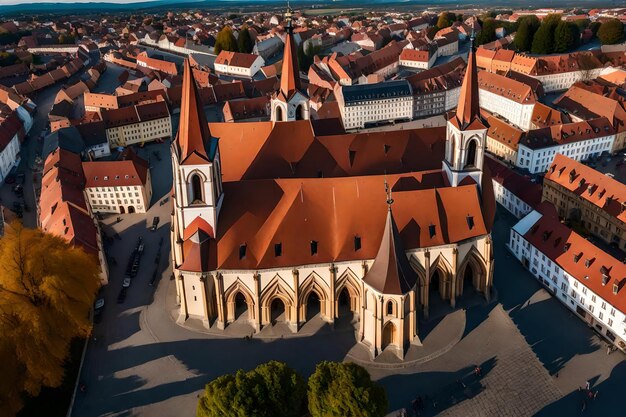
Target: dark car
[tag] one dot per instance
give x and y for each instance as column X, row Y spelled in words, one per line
column 97, row 310
column 122, row 296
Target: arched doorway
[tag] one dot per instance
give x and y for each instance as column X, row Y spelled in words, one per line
column 313, row 305
column 241, row 306
column 389, row 335
column 436, row 283
column 470, row 158
column 277, row 311
column 122, row 210
column 131, row 209
column 279, row 114
column 300, row 112
column 344, row 308
column 196, row 189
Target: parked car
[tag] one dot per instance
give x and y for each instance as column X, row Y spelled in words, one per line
column 98, row 307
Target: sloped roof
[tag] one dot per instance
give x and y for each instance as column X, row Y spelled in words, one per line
column 391, row 272
column 294, row 212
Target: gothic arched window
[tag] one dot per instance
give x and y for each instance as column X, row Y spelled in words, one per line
column 196, row 189
column 471, row 153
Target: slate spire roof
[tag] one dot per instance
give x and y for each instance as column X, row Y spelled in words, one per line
column 193, row 132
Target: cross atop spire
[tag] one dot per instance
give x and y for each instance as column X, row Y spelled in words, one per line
column 290, row 76
column 388, row 192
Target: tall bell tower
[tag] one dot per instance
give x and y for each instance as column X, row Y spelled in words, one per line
column 290, row 102
column 466, row 135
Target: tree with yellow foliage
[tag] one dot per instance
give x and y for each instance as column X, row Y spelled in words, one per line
column 47, row 288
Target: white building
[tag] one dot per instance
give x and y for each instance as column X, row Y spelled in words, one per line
column 118, row 186
column 411, row 58
column 238, row 64
column 362, row 105
column 513, row 100
column 137, row 124
column 587, row 280
column 515, row 193
column 579, row 141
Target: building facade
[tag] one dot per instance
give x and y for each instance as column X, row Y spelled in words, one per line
column 582, row 194
column 138, row 124
column 363, row 105
column 238, row 64
column 118, row 186
column 507, row 98
column 585, row 279
column 579, row 141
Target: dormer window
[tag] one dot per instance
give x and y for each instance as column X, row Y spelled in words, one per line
column 470, row 222
column 588, row 262
column 106, row 177
column 357, row 243
column 278, row 249
column 313, row 247
column 242, row 250
column 615, row 288
column 605, row 279
column 432, row 230
column 578, row 256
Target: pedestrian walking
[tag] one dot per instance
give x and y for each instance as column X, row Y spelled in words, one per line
column 588, row 385
column 595, row 395
column 478, row 372
column 590, row 395
column 583, row 406
column 608, row 350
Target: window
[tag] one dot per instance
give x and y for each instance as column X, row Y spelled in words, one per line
column 390, row 308
column 610, row 322
column 242, row 251
column 357, row 243
column 313, row 247
column 278, row 249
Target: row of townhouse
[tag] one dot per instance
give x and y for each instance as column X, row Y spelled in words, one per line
column 137, row 124
column 428, row 93
column 593, row 200
column 535, row 150
column 584, row 278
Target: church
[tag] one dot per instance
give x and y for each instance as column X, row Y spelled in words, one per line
column 275, row 217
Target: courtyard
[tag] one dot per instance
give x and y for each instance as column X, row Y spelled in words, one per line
column 533, row 353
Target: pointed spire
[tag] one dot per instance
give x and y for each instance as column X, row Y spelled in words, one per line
column 391, row 272
column 193, row 130
column 290, row 76
column 468, row 108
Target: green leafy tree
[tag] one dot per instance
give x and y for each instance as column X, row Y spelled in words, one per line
column 346, row 390
column 611, row 32
column 271, row 389
column 566, row 36
column 594, row 26
column 445, row 19
column 432, row 31
column 245, row 43
column 487, row 33
column 527, row 27
column 582, row 24
column 225, row 41
column 47, row 289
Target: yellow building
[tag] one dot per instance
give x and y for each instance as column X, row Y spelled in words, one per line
column 137, row 124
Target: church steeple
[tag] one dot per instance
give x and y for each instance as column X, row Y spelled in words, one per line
column 468, row 109
column 466, row 135
column 193, row 132
column 290, row 103
column 290, row 76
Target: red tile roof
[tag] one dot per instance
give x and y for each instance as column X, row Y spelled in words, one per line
column 587, row 183
column 580, row 258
